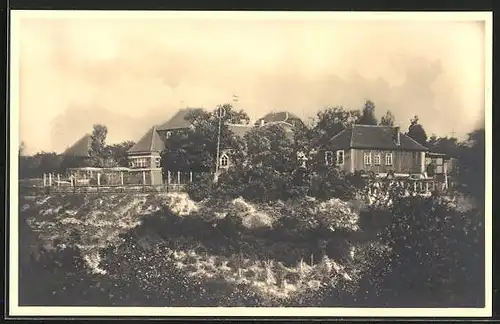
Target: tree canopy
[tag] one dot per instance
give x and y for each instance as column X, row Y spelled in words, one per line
column 368, row 114
column 387, row 119
column 417, row 132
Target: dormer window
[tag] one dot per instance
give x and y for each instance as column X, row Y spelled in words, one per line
column 168, row 134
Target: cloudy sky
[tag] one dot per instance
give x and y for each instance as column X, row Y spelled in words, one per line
column 130, row 73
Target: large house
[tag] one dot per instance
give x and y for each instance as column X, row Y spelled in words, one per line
column 380, row 149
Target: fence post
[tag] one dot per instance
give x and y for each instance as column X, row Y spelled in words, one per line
column 190, row 176
column 144, row 177
column 44, row 179
column 121, row 177
column 50, row 179
column 58, row 179
column 178, row 177
column 168, row 177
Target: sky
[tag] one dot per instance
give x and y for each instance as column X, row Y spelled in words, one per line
column 132, row 73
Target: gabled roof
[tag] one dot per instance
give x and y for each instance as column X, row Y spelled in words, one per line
column 239, row 130
column 178, row 121
column 281, row 116
column 374, row 137
column 150, row 142
column 80, row 148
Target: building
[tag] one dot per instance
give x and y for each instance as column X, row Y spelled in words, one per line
column 380, row 149
column 80, row 149
column 177, row 124
column 145, row 159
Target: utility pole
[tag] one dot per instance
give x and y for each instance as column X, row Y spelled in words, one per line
column 221, row 112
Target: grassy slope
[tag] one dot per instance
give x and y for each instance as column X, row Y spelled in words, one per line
column 207, row 252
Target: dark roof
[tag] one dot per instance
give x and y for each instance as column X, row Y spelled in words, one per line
column 81, row 147
column 178, row 121
column 277, row 117
column 374, row 137
column 239, row 130
column 150, row 142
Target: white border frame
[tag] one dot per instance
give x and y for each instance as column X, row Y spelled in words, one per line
column 16, row 310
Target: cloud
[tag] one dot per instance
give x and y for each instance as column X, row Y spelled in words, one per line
column 116, row 71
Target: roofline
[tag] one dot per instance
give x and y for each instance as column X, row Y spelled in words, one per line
column 159, row 128
column 346, row 129
column 242, row 125
column 398, row 148
column 424, row 148
column 153, row 129
column 142, row 152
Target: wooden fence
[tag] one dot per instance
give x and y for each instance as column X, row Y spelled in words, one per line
column 77, row 184
column 102, row 189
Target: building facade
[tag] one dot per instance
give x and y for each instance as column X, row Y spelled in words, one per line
column 379, row 149
column 145, row 160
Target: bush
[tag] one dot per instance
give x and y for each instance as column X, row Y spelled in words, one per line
column 329, row 182
column 437, row 255
column 200, row 189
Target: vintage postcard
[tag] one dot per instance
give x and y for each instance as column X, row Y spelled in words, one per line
column 250, row 163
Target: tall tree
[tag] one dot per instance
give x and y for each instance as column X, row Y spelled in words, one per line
column 195, row 150
column 329, row 122
column 471, row 164
column 446, row 145
column 368, row 114
column 98, row 152
column 387, row 119
column 417, row 131
column 118, row 152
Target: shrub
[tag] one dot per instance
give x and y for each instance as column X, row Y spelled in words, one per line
column 200, row 189
column 328, row 182
column 437, row 255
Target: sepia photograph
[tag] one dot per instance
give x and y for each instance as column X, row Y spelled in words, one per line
column 197, row 163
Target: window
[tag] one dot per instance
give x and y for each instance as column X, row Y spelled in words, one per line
column 388, row 159
column 158, row 161
column 224, row 161
column 367, row 158
column 376, row 159
column 328, row 157
column 340, row 157
column 140, row 163
column 168, row 134
column 439, row 161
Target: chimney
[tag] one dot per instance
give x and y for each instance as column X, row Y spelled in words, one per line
column 397, row 135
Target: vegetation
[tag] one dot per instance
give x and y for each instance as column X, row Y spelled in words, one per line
column 100, row 155
column 167, row 250
column 417, row 132
column 268, row 233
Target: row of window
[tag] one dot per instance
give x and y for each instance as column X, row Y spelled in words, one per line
column 337, row 159
column 144, row 162
column 376, row 158
column 368, row 159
